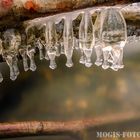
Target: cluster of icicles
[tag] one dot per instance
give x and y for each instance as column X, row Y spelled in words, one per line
column 108, row 36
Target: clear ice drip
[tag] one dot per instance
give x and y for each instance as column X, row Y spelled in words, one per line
column 30, row 53
column 59, row 38
column 51, row 43
column 68, row 40
column 39, row 45
column 98, row 45
column 86, row 38
column 31, row 38
column 12, row 63
column 1, row 77
column 113, row 37
column 23, row 53
column 108, row 36
column 11, row 42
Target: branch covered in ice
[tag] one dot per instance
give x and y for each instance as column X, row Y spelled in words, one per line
column 103, row 29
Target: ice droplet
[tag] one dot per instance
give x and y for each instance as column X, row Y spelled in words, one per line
column 30, row 53
column 39, row 45
column 23, row 53
column 15, row 66
column 68, row 40
column 98, row 47
column 86, row 37
column 1, row 77
column 82, row 57
column 9, row 60
column 51, row 39
column 113, row 36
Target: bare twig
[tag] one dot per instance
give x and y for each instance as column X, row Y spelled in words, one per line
column 47, row 127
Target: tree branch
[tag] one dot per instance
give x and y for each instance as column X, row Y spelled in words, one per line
column 68, row 127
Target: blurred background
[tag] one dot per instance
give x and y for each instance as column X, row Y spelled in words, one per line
column 72, row 94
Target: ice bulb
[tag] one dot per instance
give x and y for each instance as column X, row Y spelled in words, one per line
column 11, row 43
column 83, row 57
column 86, row 37
column 39, row 45
column 51, row 45
column 1, row 77
column 68, row 40
column 23, row 53
column 98, row 45
column 30, row 53
column 113, row 37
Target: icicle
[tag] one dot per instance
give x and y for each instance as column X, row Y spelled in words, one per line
column 23, row 53
column 15, row 66
column 1, row 77
column 31, row 37
column 12, row 41
column 68, row 40
column 83, row 57
column 51, row 43
column 9, row 60
column 62, row 48
column 39, row 45
column 30, row 53
column 86, row 37
column 59, row 38
column 58, row 49
column 46, row 33
column 98, row 47
column 76, row 43
column 114, row 37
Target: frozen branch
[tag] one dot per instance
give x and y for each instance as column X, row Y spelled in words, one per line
column 21, row 10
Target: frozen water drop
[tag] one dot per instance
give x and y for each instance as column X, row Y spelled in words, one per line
column 40, row 47
column 15, row 67
column 113, row 36
column 68, row 39
column 98, row 46
column 51, row 46
column 13, row 76
column 1, row 77
column 88, row 53
column 23, row 53
column 46, row 54
column 99, row 54
column 86, row 37
column 58, row 49
column 82, row 57
column 30, row 53
column 52, row 55
column 62, row 49
column 105, row 64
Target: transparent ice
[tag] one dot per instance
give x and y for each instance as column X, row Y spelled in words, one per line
column 39, row 45
column 68, row 40
column 51, row 42
column 113, row 37
column 23, row 53
column 98, row 45
column 1, row 77
column 12, row 41
column 30, row 53
column 86, row 38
